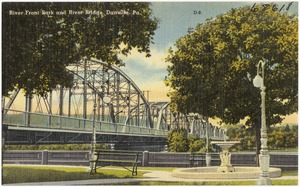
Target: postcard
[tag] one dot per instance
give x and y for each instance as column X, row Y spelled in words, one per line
column 176, row 93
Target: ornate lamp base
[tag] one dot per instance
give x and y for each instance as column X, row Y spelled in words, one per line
column 264, row 181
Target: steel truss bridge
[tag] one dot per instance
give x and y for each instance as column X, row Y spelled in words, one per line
column 101, row 95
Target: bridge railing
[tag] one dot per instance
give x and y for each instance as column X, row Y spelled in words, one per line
column 40, row 120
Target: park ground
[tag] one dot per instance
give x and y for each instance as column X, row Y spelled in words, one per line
column 78, row 175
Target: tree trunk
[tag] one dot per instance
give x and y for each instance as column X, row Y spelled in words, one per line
column 257, row 128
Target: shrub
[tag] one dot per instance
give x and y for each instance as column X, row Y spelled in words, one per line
column 54, row 147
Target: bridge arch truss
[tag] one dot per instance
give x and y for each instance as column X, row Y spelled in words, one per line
column 100, row 92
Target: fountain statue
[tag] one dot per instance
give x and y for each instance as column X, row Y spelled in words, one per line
column 225, row 155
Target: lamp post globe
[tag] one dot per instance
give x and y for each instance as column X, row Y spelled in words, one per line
column 258, row 81
column 106, row 99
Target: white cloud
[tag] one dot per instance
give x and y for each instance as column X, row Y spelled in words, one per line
column 148, row 73
column 157, row 59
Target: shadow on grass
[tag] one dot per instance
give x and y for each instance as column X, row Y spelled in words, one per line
column 11, row 174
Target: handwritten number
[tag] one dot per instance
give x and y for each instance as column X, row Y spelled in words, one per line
column 290, row 4
column 281, row 8
column 254, row 9
column 265, row 6
column 274, row 8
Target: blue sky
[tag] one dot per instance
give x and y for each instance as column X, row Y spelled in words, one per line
column 175, row 19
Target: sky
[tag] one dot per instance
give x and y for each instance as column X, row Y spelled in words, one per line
column 175, row 18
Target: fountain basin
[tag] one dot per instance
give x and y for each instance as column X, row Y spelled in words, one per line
column 212, row 173
column 226, row 144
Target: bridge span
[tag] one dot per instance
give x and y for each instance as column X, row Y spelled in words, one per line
column 102, row 98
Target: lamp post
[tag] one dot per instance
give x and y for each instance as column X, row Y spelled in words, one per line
column 264, row 157
column 93, row 143
column 207, row 155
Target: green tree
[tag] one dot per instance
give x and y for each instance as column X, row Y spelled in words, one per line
column 178, row 140
column 196, row 144
column 37, row 48
column 287, row 128
column 213, row 66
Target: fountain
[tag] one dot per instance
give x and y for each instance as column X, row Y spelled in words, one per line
column 225, row 170
column 225, row 156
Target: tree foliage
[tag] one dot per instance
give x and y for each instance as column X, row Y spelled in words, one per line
column 279, row 137
column 37, row 48
column 199, row 145
column 80, row 147
column 178, row 140
column 212, row 68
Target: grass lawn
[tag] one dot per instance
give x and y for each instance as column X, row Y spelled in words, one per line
column 22, row 174
column 289, row 173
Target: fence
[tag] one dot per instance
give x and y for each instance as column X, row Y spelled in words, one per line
column 285, row 161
